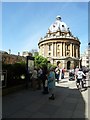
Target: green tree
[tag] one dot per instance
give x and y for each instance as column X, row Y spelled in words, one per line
column 40, row 61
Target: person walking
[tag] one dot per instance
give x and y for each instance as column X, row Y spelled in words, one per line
column 51, row 83
column 57, row 72
column 40, row 72
column 60, row 75
column 80, row 75
column 63, row 72
column 34, row 79
column 44, row 80
column 76, row 70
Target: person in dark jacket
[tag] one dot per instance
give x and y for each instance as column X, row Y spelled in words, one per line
column 44, row 78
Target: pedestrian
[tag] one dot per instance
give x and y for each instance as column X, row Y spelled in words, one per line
column 57, row 72
column 40, row 72
column 51, row 83
column 34, row 79
column 60, row 75
column 80, row 75
column 76, row 70
column 72, row 74
column 44, row 80
column 63, row 72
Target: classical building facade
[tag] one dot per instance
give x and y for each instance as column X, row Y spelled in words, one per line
column 60, row 45
column 85, row 58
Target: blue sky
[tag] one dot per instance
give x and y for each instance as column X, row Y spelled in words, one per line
column 24, row 23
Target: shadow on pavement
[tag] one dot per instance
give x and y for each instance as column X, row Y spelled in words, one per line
column 69, row 103
column 73, row 104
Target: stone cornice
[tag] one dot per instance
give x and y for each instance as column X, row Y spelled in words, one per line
column 59, row 39
column 64, row 58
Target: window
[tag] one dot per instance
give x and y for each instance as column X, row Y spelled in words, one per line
column 88, row 61
column 58, row 47
column 49, row 47
column 87, row 57
column 49, row 54
column 62, row 25
column 58, row 54
column 68, row 53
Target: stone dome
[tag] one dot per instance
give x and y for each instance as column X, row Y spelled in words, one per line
column 58, row 25
column 60, row 45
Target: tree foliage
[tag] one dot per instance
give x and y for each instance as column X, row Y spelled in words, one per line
column 40, row 61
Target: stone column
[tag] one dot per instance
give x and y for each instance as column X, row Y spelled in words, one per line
column 64, row 49
column 79, row 51
column 44, row 50
column 76, row 52
column 52, row 49
column 39, row 50
column 55, row 50
column 61, row 50
column 71, row 50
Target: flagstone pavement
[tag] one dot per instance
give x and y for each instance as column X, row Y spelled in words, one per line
column 69, row 103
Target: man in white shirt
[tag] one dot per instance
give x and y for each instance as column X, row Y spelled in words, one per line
column 80, row 75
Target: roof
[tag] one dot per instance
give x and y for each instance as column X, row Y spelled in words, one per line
column 59, row 25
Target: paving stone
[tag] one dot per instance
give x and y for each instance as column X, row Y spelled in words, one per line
column 69, row 103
